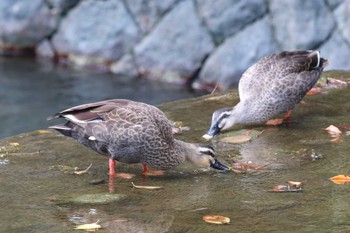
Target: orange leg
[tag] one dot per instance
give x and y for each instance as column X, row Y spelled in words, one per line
column 147, row 172
column 287, row 116
column 114, row 174
column 111, row 167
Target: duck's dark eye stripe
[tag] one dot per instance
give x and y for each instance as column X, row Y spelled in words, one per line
column 207, row 151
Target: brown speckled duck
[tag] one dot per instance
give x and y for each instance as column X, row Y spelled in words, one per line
column 132, row 132
column 274, row 85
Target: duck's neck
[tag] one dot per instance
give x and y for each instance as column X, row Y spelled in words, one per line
column 189, row 152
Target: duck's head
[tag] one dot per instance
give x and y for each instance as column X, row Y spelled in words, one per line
column 222, row 119
column 206, row 158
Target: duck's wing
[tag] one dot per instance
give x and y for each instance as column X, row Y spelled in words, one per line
column 283, row 66
column 111, row 120
column 92, row 111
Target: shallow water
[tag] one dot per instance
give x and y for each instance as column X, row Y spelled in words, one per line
column 36, row 194
column 30, row 91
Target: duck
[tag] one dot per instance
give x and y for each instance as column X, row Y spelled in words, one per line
column 273, row 85
column 132, row 132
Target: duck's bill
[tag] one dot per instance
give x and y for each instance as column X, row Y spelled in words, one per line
column 214, row 130
column 219, row 166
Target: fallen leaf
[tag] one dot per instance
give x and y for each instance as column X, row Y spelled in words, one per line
column 340, row 179
column 14, row 143
column 333, row 131
column 240, row 136
column 145, row 187
column 216, row 219
column 274, row 122
column 90, row 226
column 121, row 220
column 285, row 188
column 296, row 184
column 82, row 171
column 41, row 131
column 122, row 175
column 315, row 91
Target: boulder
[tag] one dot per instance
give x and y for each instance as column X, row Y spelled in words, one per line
column 226, row 17
column 337, row 51
column 178, row 43
column 25, row 23
column 342, row 16
column 147, row 12
column 45, row 50
column 62, row 6
column 333, row 3
column 125, row 66
column 300, row 24
column 100, row 29
column 226, row 65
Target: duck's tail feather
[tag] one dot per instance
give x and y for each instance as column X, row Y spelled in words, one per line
column 63, row 129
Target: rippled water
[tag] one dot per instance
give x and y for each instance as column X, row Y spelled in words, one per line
column 31, row 91
column 36, row 194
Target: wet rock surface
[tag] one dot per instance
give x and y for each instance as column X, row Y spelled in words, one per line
column 33, row 183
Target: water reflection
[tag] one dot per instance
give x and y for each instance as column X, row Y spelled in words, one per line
column 30, row 91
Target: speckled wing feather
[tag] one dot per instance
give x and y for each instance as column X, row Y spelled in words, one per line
column 286, row 69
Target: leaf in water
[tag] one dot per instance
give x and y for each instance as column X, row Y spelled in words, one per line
column 145, row 187
column 296, row 184
column 275, row 122
column 42, row 131
column 90, row 226
column 82, row 171
column 216, row 219
column 333, row 131
column 123, row 175
column 14, row 143
column 240, row 136
column 316, row 91
column 340, row 179
column 121, row 220
column 285, row 188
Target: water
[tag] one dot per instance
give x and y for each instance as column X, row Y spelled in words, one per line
column 35, row 195
column 31, row 91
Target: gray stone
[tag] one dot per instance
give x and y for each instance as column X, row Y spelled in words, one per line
column 62, row 6
column 226, row 65
column 342, row 16
column 148, row 12
column 333, row 3
column 25, row 23
column 45, row 50
column 102, row 29
column 125, row 66
column 337, row 51
column 226, row 17
column 300, row 24
column 178, row 43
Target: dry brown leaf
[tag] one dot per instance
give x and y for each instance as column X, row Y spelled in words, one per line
column 340, row 179
column 296, row 184
column 240, row 136
column 83, row 171
column 274, row 122
column 315, row 91
column 89, row 227
column 146, row 187
column 216, row 219
column 14, row 143
column 42, row 131
column 121, row 220
column 122, row 175
column 285, row 188
column 333, row 131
